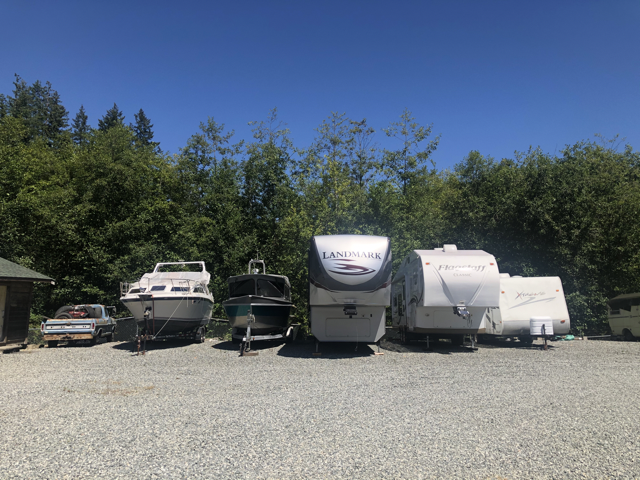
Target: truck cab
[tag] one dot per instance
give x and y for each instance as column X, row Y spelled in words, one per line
column 80, row 322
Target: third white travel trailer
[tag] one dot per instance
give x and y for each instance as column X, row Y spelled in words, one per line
column 522, row 298
column 349, row 287
column 444, row 292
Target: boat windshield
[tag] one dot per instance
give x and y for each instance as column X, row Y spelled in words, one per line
column 271, row 288
column 242, row 288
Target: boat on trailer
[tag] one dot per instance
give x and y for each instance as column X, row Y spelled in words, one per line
column 173, row 301
column 259, row 305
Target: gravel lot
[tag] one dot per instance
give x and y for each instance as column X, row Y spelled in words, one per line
column 189, row 411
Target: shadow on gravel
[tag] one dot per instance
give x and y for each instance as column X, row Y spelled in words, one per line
column 514, row 345
column 328, row 350
column 155, row 345
column 441, row 348
column 255, row 346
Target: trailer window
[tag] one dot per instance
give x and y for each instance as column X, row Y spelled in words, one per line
column 271, row 288
column 242, row 288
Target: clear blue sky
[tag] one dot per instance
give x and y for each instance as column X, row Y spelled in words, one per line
column 493, row 76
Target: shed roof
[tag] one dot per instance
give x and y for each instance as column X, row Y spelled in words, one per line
column 15, row 272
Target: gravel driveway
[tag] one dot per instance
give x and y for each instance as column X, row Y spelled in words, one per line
column 199, row 410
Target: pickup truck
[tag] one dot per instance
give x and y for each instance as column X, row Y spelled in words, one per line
column 80, row 322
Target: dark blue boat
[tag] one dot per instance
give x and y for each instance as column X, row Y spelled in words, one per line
column 266, row 298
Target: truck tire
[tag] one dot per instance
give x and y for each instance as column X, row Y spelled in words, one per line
column 628, row 336
column 64, row 309
column 112, row 335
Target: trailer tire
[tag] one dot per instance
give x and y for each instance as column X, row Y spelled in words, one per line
column 63, row 316
column 200, row 335
column 628, row 336
column 528, row 339
column 52, row 343
column 457, row 340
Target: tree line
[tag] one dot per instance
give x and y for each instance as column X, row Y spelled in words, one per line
column 92, row 207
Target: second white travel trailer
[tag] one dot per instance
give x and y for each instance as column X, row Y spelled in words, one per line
column 522, row 298
column 349, row 287
column 444, row 292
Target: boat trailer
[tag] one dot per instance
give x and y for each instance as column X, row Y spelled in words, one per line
column 245, row 339
column 197, row 336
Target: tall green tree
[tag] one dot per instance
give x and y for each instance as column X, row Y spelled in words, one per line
column 112, row 118
column 143, row 130
column 80, row 128
column 409, row 159
column 40, row 108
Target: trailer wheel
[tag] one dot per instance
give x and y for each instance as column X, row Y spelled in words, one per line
column 526, row 339
column 457, row 340
column 52, row 343
column 63, row 315
column 628, row 336
column 200, row 335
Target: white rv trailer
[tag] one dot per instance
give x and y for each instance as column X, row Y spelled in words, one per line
column 349, row 287
column 444, row 292
column 522, row 298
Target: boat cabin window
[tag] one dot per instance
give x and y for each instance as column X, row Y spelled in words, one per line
column 137, row 290
column 271, row 288
column 179, row 289
column 242, row 288
column 158, row 288
column 198, row 289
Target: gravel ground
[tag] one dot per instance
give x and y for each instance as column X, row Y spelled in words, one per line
column 199, row 410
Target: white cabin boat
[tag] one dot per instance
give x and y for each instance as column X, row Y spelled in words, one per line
column 173, row 299
column 444, row 292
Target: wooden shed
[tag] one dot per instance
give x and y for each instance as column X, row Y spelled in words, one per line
column 16, row 293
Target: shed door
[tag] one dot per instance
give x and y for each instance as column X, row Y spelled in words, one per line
column 3, row 301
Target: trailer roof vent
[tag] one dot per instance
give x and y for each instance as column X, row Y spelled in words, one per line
column 450, row 248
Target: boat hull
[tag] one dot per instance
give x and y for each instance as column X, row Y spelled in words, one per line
column 270, row 316
column 170, row 315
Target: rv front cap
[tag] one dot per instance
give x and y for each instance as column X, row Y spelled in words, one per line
column 351, row 259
